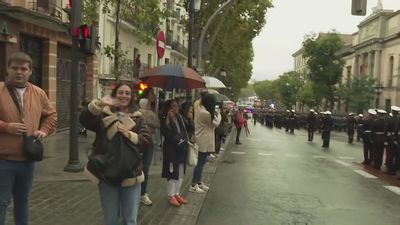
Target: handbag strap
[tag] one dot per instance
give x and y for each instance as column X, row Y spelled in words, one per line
column 14, row 98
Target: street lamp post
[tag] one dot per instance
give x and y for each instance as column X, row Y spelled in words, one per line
column 378, row 90
column 204, row 32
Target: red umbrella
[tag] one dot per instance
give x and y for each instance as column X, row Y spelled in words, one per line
column 171, row 76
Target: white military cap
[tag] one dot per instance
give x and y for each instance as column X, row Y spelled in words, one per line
column 312, row 110
column 328, row 113
column 381, row 111
column 293, row 110
column 360, row 115
column 395, row 108
column 390, row 114
column 351, row 114
column 372, row 111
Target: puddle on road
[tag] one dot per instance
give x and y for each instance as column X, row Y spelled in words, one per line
column 228, row 161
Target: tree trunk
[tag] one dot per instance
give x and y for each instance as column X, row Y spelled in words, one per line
column 117, row 43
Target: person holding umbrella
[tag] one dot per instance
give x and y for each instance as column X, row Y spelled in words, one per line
column 175, row 150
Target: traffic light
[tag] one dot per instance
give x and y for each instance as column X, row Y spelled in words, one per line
column 141, row 87
column 88, row 39
column 359, row 7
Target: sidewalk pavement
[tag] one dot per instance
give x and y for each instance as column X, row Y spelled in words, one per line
column 62, row 198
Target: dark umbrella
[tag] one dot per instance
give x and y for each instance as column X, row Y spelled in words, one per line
column 220, row 97
column 171, row 76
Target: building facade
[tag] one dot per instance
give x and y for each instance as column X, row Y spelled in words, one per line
column 374, row 51
column 40, row 28
column 175, row 46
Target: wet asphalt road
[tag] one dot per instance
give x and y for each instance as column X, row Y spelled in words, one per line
column 278, row 178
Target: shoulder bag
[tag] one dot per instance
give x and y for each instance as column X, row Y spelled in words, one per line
column 32, row 146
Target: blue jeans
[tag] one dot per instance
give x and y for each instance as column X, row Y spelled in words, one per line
column 198, row 170
column 147, row 158
column 118, row 201
column 16, row 181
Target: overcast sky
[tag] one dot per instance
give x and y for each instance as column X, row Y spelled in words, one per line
column 290, row 20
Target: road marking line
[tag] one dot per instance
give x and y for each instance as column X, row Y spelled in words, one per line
column 365, row 174
column 265, row 154
column 341, row 162
column 292, row 155
column 238, row 153
column 394, row 189
column 254, row 139
column 319, row 156
column 345, row 157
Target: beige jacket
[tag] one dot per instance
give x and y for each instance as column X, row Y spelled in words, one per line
column 204, row 129
column 39, row 114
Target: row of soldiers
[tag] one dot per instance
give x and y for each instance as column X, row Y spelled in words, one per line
column 378, row 131
column 381, row 131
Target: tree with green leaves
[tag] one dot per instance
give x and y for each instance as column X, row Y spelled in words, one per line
column 267, row 90
column 308, row 95
column 358, row 93
column 230, row 38
column 325, row 66
column 289, row 85
column 144, row 15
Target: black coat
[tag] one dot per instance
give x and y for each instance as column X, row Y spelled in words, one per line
column 173, row 154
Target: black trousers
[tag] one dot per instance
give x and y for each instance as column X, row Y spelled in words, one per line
column 367, row 146
column 378, row 153
column 350, row 135
column 326, row 137
column 238, row 130
column 310, row 134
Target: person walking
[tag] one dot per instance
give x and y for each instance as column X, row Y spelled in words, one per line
column 311, row 124
column 239, row 122
column 175, row 151
column 359, row 126
column 153, row 123
column 327, row 125
column 34, row 115
column 206, row 119
column 351, row 126
column 119, row 128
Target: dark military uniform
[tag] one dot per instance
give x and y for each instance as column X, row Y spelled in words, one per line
column 393, row 144
column 351, row 124
column 379, row 138
column 359, row 128
column 311, row 125
column 367, row 139
column 292, row 122
column 326, row 127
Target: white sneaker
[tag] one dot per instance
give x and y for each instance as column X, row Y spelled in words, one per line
column 145, row 199
column 212, row 155
column 196, row 189
column 203, row 187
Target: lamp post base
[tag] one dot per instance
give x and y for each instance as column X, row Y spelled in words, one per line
column 74, row 166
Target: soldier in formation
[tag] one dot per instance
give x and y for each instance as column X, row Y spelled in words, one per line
column 351, row 125
column 311, row 124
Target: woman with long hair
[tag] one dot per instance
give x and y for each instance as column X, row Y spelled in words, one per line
column 119, row 128
column 206, row 119
column 175, row 150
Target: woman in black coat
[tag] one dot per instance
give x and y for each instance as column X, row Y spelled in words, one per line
column 175, row 150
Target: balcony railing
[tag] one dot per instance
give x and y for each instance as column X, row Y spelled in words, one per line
column 169, row 38
column 179, row 48
column 47, row 7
